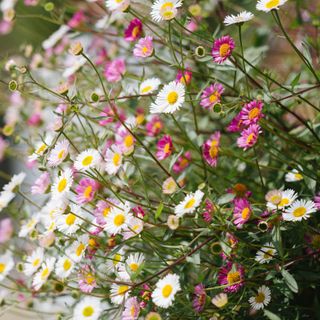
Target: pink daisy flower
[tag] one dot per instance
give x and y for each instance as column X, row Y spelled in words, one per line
column 249, row 136
column 114, row 70
column 154, row 126
column 144, row 47
column 236, row 124
column 164, row 147
column 208, row 211
column 210, row 149
column 252, row 112
column 78, row 18
column 138, row 212
column 131, row 309
column 199, row 299
column 134, row 30
column 182, row 163
column 184, row 77
column 241, row 212
column 222, row 49
column 87, row 280
column 125, row 140
column 231, row 275
column 211, row 96
column 317, row 201
column 41, row 184
column 86, row 190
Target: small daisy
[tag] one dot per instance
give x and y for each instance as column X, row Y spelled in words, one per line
column 118, row 219
column 220, row 300
column 252, row 112
column 41, row 276
column 268, row 5
column 125, row 140
column 287, row 198
column 69, row 223
column 87, row 278
column 62, row 184
column 154, row 126
column 249, row 137
column 59, row 153
column 211, row 96
column 78, row 248
column 261, row 299
column 189, row 204
column 164, row 147
column 173, row 222
column 210, row 149
column 131, row 266
column 89, row 308
column 144, row 47
column 266, row 253
column 41, row 185
column 299, row 210
column 169, row 99
column 184, row 76
column 87, row 159
column 149, row 86
column 64, row 267
column 165, row 290
column 15, row 181
column 169, row 186
column 113, row 158
column 222, row 49
column 241, row 17
column 134, row 30
column 6, row 264
column 86, row 190
column 119, row 293
column 135, row 226
column 165, row 9
column 115, row 260
column 5, row 198
column 33, row 262
column 29, row 226
column 117, row 5
column 293, row 176
column 131, row 309
column 242, row 212
column 182, row 162
column 40, row 148
column 232, row 275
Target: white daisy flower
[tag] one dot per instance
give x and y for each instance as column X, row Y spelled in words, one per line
column 241, row 17
column 287, row 197
column 87, row 159
column 5, row 198
column 189, row 204
column 165, row 9
column 61, row 186
column 132, row 264
column 59, row 153
column 41, row 276
column 149, row 86
column 300, row 209
column 40, row 148
column 266, row 253
column 89, row 308
column 64, row 267
column 16, row 180
column 113, row 159
column 115, row 260
column 165, row 290
column 169, row 186
column 170, row 98
column 69, row 223
column 135, row 226
column 118, row 219
column 6, row 264
column 78, row 248
column 293, row 176
column 29, row 226
column 119, row 293
column 220, row 300
column 268, row 5
column 117, row 5
column 261, row 299
column 33, row 262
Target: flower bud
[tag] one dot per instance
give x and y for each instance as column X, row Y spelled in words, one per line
column 200, row 52
column 173, row 222
column 13, row 85
column 76, row 48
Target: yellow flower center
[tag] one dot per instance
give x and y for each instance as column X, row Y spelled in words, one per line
column 134, row 266
column 135, row 31
column 260, row 297
column 36, row 262
column 70, row 219
column 167, row 10
column 283, row 202
column 167, row 148
column 275, row 199
column 116, row 259
column 119, row 220
column 214, row 96
column 87, row 192
column 172, row 97
column 250, row 138
column 90, row 278
column 67, row 265
column 254, row 113
column 128, row 141
column 190, row 203
column 79, row 249
column 166, row 290
column 122, row 289
column 41, row 149
column 268, row 254
column 213, row 151
column 88, row 311
column 44, row 273
column 224, row 49
column 233, row 277
column 116, row 159
column 272, row 4
column 2, row 267
column 245, row 214
column 146, row 88
column 60, row 154
column 62, row 184
column 185, row 79
column 87, row 161
column 299, row 212
column 132, row 311
column 106, row 212
column 298, row 176
column 144, row 49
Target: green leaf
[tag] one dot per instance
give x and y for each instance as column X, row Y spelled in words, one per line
column 295, row 81
column 271, row 315
column 290, row 281
column 159, row 210
column 226, row 198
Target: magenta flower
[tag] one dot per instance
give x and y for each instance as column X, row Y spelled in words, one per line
column 131, row 309
column 231, row 275
column 86, row 190
column 249, row 136
column 114, row 70
column 41, row 185
column 138, row 212
column 317, row 201
column 184, row 77
column 134, row 30
column 236, row 124
column 87, row 279
column 210, row 149
column 252, row 112
column 6, row 230
column 222, row 49
column 182, row 162
column 154, row 126
column 164, row 147
column 144, row 48
column 199, row 299
column 241, row 212
column 211, row 96
column 208, row 211
column 77, row 19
